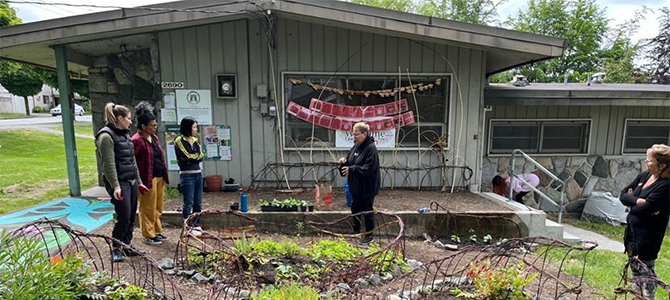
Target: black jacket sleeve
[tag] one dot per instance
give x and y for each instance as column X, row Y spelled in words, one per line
column 630, row 200
column 654, row 201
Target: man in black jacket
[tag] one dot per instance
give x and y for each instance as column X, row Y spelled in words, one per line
column 361, row 166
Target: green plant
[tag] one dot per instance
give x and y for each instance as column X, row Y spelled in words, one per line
column 488, row 239
column 26, row 270
column 171, row 192
column 291, row 291
column 126, row 292
column 29, row 271
column 37, row 109
column 289, row 249
column 300, row 226
column 497, row 282
column 455, row 239
column 284, row 272
column 386, row 260
column 313, row 273
column 473, row 238
column 267, row 248
column 328, row 250
column 262, row 202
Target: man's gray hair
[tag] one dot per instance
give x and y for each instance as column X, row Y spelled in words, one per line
column 362, row 127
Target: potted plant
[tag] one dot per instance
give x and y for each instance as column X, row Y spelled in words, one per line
column 234, row 206
column 306, row 206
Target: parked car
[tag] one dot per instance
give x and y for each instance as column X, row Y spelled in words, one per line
column 78, row 110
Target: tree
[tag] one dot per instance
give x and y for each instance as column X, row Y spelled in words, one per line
column 21, row 80
column 580, row 22
column 659, row 53
column 471, row 11
column 621, row 52
column 50, row 78
column 398, row 5
column 8, row 15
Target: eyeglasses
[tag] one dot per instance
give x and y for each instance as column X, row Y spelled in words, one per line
column 357, row 133
column 647, row 161
column 153, row 125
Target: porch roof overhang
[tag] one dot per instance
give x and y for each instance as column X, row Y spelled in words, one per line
column 578, row 94
column 91, row 35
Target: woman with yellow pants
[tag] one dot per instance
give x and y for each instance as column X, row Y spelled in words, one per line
column 153, row 171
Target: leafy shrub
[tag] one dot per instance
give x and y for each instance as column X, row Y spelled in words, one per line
column 28, row 273
column 291, row 291
column 494, row 283
column 37, row 109
column 126, row 292
column 327, row 251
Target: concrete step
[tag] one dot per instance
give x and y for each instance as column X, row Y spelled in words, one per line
column 553, row 229
column 571, row 239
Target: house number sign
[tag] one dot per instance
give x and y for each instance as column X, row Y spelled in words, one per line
column 172, row 85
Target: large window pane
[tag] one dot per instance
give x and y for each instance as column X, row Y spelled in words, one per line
column 641, row 135
column 539, row 137
column 431, row 113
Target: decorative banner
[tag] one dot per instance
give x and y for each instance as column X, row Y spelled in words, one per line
column 216, row 142
column 383, row 139
column 196, row 104
column 359, row 112
column 171, row 133
column 347, row 124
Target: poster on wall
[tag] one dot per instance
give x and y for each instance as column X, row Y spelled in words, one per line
column 171, row 133
column 196, row 104
column 383, row 139
column 217, row 142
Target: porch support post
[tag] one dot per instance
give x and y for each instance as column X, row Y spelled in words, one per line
column 68, row 121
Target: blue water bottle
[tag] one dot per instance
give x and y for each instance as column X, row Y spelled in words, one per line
column 347, row 193
column 423, row 210
column 243, row 202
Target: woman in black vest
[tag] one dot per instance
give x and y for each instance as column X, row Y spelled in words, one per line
column 120, row 175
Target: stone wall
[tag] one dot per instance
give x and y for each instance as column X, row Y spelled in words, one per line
column 581, row 174
column 124, row 78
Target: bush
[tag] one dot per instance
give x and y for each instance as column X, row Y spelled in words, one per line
column 28, row 273
column 497, row 282
column 37, row 109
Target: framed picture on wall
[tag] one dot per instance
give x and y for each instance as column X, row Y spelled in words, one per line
column 226, row 86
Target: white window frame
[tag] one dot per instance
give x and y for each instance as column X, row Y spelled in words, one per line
column 589, row 122
column 449, row 113
column 625, row 132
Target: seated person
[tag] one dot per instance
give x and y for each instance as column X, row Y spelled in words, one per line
column 501, row 186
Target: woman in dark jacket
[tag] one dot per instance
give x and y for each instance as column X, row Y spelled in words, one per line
column 189, row 156
column 153, row 171
column 648, row 198
column 122, row 180
column 362, row 168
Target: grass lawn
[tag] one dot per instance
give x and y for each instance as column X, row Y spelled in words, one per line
column 12, row 116
column 33, row 169
column 604, row 267
column 78, row 129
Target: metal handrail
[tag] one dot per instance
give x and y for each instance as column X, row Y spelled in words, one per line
column 513, row 176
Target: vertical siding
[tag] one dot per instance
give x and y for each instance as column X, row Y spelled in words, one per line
column 331, row 49
column 607, row 122
column 193, row 56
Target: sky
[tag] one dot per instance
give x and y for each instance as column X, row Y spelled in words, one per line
column 617, row 11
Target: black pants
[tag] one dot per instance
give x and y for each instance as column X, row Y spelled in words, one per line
column 359, row 204
column 126, row 212
column 519, row 197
